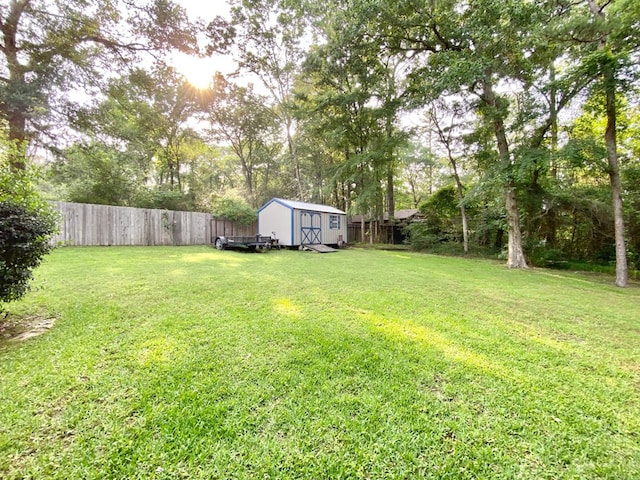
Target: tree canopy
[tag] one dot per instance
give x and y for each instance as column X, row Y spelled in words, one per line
column 52, row 48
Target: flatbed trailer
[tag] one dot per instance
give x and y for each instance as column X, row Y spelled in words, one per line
column 251, row 243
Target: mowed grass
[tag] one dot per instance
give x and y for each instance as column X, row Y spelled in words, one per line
column 187, row 362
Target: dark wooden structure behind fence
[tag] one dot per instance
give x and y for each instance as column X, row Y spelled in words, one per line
column 382, row 233
column 390, row 231
column 93, row 225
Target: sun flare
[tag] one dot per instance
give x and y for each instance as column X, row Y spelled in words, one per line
column 197, row 71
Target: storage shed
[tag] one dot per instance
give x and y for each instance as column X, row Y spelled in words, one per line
column 297, row 223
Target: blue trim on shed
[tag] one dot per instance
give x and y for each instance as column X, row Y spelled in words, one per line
column 277, row 200
column 293, row 232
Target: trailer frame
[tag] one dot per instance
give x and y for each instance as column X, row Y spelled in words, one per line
column 256, row 242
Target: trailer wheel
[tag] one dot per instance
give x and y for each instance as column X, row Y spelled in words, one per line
column 220, row 244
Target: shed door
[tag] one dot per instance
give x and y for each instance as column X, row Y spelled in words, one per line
column 311, row 228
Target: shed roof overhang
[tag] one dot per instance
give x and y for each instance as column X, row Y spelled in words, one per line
column 295, row 205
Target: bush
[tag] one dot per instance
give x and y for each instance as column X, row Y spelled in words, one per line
column 423, row 235
column 235, row 210
column 24, row 240
column 164, row 199
column 27, row 222
column 543, row 256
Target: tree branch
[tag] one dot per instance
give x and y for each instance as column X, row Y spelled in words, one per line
column 113, row 45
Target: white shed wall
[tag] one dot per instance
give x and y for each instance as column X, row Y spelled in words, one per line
column 276, row 218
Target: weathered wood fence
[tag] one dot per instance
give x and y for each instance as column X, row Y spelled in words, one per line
column 92, row 225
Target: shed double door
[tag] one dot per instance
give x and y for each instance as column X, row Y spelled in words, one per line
column 310, row 228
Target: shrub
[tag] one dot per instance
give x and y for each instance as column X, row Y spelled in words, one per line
column 27, row 222
column 423, row 235
column 24, row 240
column 164, row 199
column 543, row 256
column 235, row 210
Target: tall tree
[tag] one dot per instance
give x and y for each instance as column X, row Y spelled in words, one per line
column 603, row 40
column 419, row 172
column 615, row 40
column 448, row 136
column 355, row 93
column 240, row 117
column 268, row 44
column 49, row 47
column 93, row 172
column 145, row 119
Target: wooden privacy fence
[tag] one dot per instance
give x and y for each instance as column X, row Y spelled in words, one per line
column 93, row 225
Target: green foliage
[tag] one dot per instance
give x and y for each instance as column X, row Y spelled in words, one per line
column 242, row 118
column 140, row 134
column 234, row 209
column 50, row 48
column 96, row 173
column 351, row 101
column 631, row 186
column 441, row 222
column 542, row 256
column 26, row 224
column 164, row 198
column 24, row 241
column 423, row 235
column 442, row 204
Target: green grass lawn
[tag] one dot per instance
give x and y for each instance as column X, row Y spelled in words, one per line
column 187, row 362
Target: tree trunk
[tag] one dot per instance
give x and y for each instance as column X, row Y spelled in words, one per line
column 516, row 257
column 18, row 140
column 430, row 180
column 553, row 104
column 463, row 212
column 552, row 224
column 391, row 202
column 15, row 112
column 446, row 141
column 614, row 177
column 460, row 190
column 293, row 154
column 373, row 227
column 608, row 66
column 499, row 238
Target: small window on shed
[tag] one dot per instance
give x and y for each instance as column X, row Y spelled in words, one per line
column 334, row 222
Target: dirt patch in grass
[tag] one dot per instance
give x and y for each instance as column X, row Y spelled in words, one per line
column 17, row 328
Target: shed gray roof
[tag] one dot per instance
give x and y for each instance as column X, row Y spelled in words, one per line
column 294, row 204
